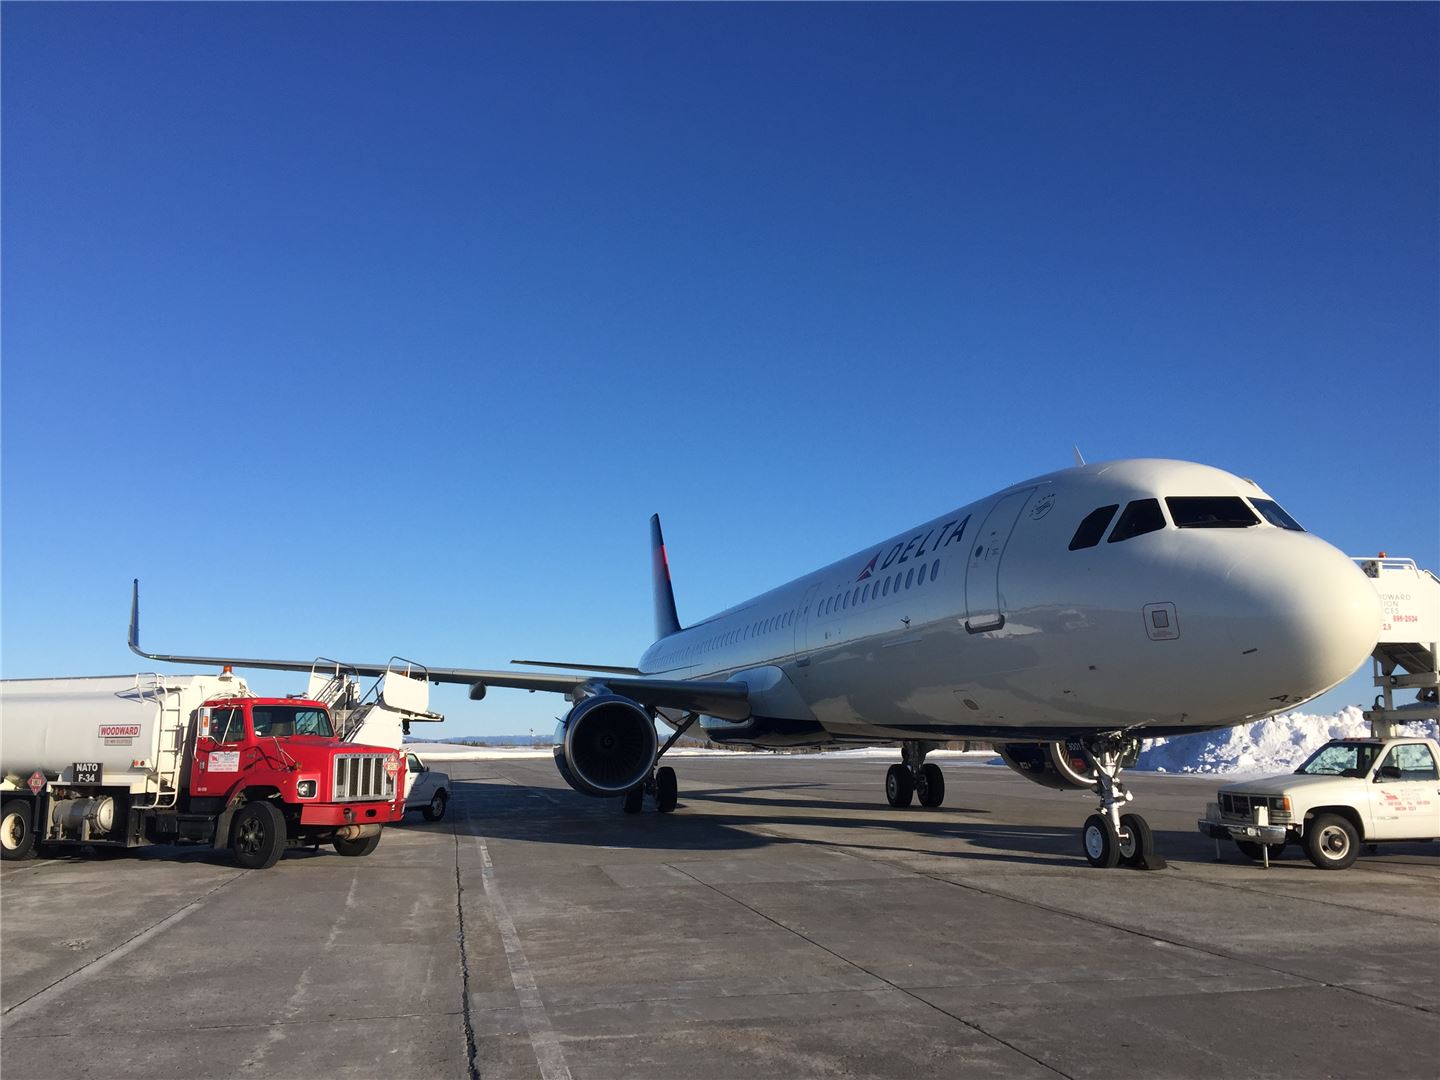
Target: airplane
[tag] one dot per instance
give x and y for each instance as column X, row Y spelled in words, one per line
column 1064, row 619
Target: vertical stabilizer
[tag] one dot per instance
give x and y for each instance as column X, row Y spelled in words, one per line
column 666, row 621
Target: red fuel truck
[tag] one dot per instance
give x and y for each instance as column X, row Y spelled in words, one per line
column 120, row 761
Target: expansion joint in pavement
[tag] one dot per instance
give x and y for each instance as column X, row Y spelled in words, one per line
column 466, row 1019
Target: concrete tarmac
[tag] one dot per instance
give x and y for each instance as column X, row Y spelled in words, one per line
column 784, row 922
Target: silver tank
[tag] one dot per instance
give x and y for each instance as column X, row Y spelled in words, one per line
column 50, row 724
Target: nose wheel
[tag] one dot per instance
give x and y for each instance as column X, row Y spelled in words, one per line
column 913, row 778
column 1110, row 838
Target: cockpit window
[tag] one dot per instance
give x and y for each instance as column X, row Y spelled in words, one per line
column 1270, row 510
column 1093, row 527
column 1211, row 512
column 1141, row 516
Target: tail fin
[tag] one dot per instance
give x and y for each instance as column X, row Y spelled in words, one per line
column 667, row 622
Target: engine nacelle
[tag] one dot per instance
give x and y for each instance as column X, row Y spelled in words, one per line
column 605, row 745
column 1059, row 765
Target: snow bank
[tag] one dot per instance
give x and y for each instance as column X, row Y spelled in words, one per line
column 1276, row 745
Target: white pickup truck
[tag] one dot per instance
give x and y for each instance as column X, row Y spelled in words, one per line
column 1349, row 792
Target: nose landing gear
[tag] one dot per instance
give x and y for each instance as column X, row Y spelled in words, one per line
column 1110, row 838
column 914, row 778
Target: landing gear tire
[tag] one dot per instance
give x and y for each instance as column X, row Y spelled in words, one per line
column 356, row 848
column 257, row 836
column 1252, row 850
column 17, row 833
column 667, row 789
column 1100, row 842
column 632, row 801
column 930, row 785
column 1331, row 842
column 899, row 786
column 1137, row 844
column 436, row 810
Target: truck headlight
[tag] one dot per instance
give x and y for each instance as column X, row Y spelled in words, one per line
column 305, row 789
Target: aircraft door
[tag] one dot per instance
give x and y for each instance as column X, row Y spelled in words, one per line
column 982, row 574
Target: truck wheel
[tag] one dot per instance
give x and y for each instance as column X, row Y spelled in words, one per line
column 17, row 836
column 436, row 810
column 1331, row 841
column 257, row 836
column 363, row 846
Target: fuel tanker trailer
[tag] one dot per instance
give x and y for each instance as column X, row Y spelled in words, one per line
column 121, row 761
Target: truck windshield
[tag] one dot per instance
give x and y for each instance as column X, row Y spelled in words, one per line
column 282, row 720
column 1341, row 759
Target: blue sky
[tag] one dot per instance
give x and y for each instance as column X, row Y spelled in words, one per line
column 373, row 330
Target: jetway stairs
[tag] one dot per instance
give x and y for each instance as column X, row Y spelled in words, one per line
column 1405, row 655
column 382, row 715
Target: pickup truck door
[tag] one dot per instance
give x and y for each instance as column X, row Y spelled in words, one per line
column 1405, row 794
column 418, row 782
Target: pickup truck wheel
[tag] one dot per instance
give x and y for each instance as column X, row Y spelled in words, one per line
column 17, row 835
column 436, row 810
column 257, row 836
column 1331, row 842
column 356, row 848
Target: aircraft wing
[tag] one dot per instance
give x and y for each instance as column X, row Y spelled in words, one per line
column 728, row 700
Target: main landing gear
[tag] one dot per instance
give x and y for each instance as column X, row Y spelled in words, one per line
column 1109, row 837
column 913, row 778
column 661, row 783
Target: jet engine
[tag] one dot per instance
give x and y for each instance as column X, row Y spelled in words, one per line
column 605, row 745
column 1059, row 765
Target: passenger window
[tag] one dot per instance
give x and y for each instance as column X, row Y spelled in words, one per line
column 1211, row 512
column 1414, row 761
column 864, row 596
column 1093, row 527
column 909, row 576
column 1140, row 517
column 886, row 590
column 1270, row 510
column 934, row 569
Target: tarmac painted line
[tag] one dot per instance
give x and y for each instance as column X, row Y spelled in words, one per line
column 543, row 1040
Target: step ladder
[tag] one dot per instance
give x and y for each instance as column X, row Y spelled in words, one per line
column 162, row 781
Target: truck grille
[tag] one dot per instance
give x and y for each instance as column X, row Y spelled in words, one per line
column 1243, row 806
column 362, row 777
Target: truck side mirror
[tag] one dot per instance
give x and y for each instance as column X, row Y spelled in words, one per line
column 1387, row 772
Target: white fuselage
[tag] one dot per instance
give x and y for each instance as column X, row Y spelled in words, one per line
column 984, row 622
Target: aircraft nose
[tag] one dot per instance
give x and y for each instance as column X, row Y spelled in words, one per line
column 1313, row 618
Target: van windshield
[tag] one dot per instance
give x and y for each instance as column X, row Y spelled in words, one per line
column 282, row 720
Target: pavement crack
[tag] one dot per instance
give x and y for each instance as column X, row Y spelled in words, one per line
column 467, row 1020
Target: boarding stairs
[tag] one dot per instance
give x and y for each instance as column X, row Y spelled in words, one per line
column 1409, row 643
column 382, row 715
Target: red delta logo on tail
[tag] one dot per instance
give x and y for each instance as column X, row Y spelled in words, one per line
column 869, row 567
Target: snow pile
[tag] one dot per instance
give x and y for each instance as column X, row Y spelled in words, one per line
column 1276, row 745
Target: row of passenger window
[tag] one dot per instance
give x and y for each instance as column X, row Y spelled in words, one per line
column 901, row 579
column 1188, row 512
column 731, row 637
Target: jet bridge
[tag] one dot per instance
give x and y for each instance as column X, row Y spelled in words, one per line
column 1405, row 655
column 381, row 715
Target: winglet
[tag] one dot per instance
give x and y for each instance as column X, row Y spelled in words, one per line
column 1079, row 457
column 667, row 622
